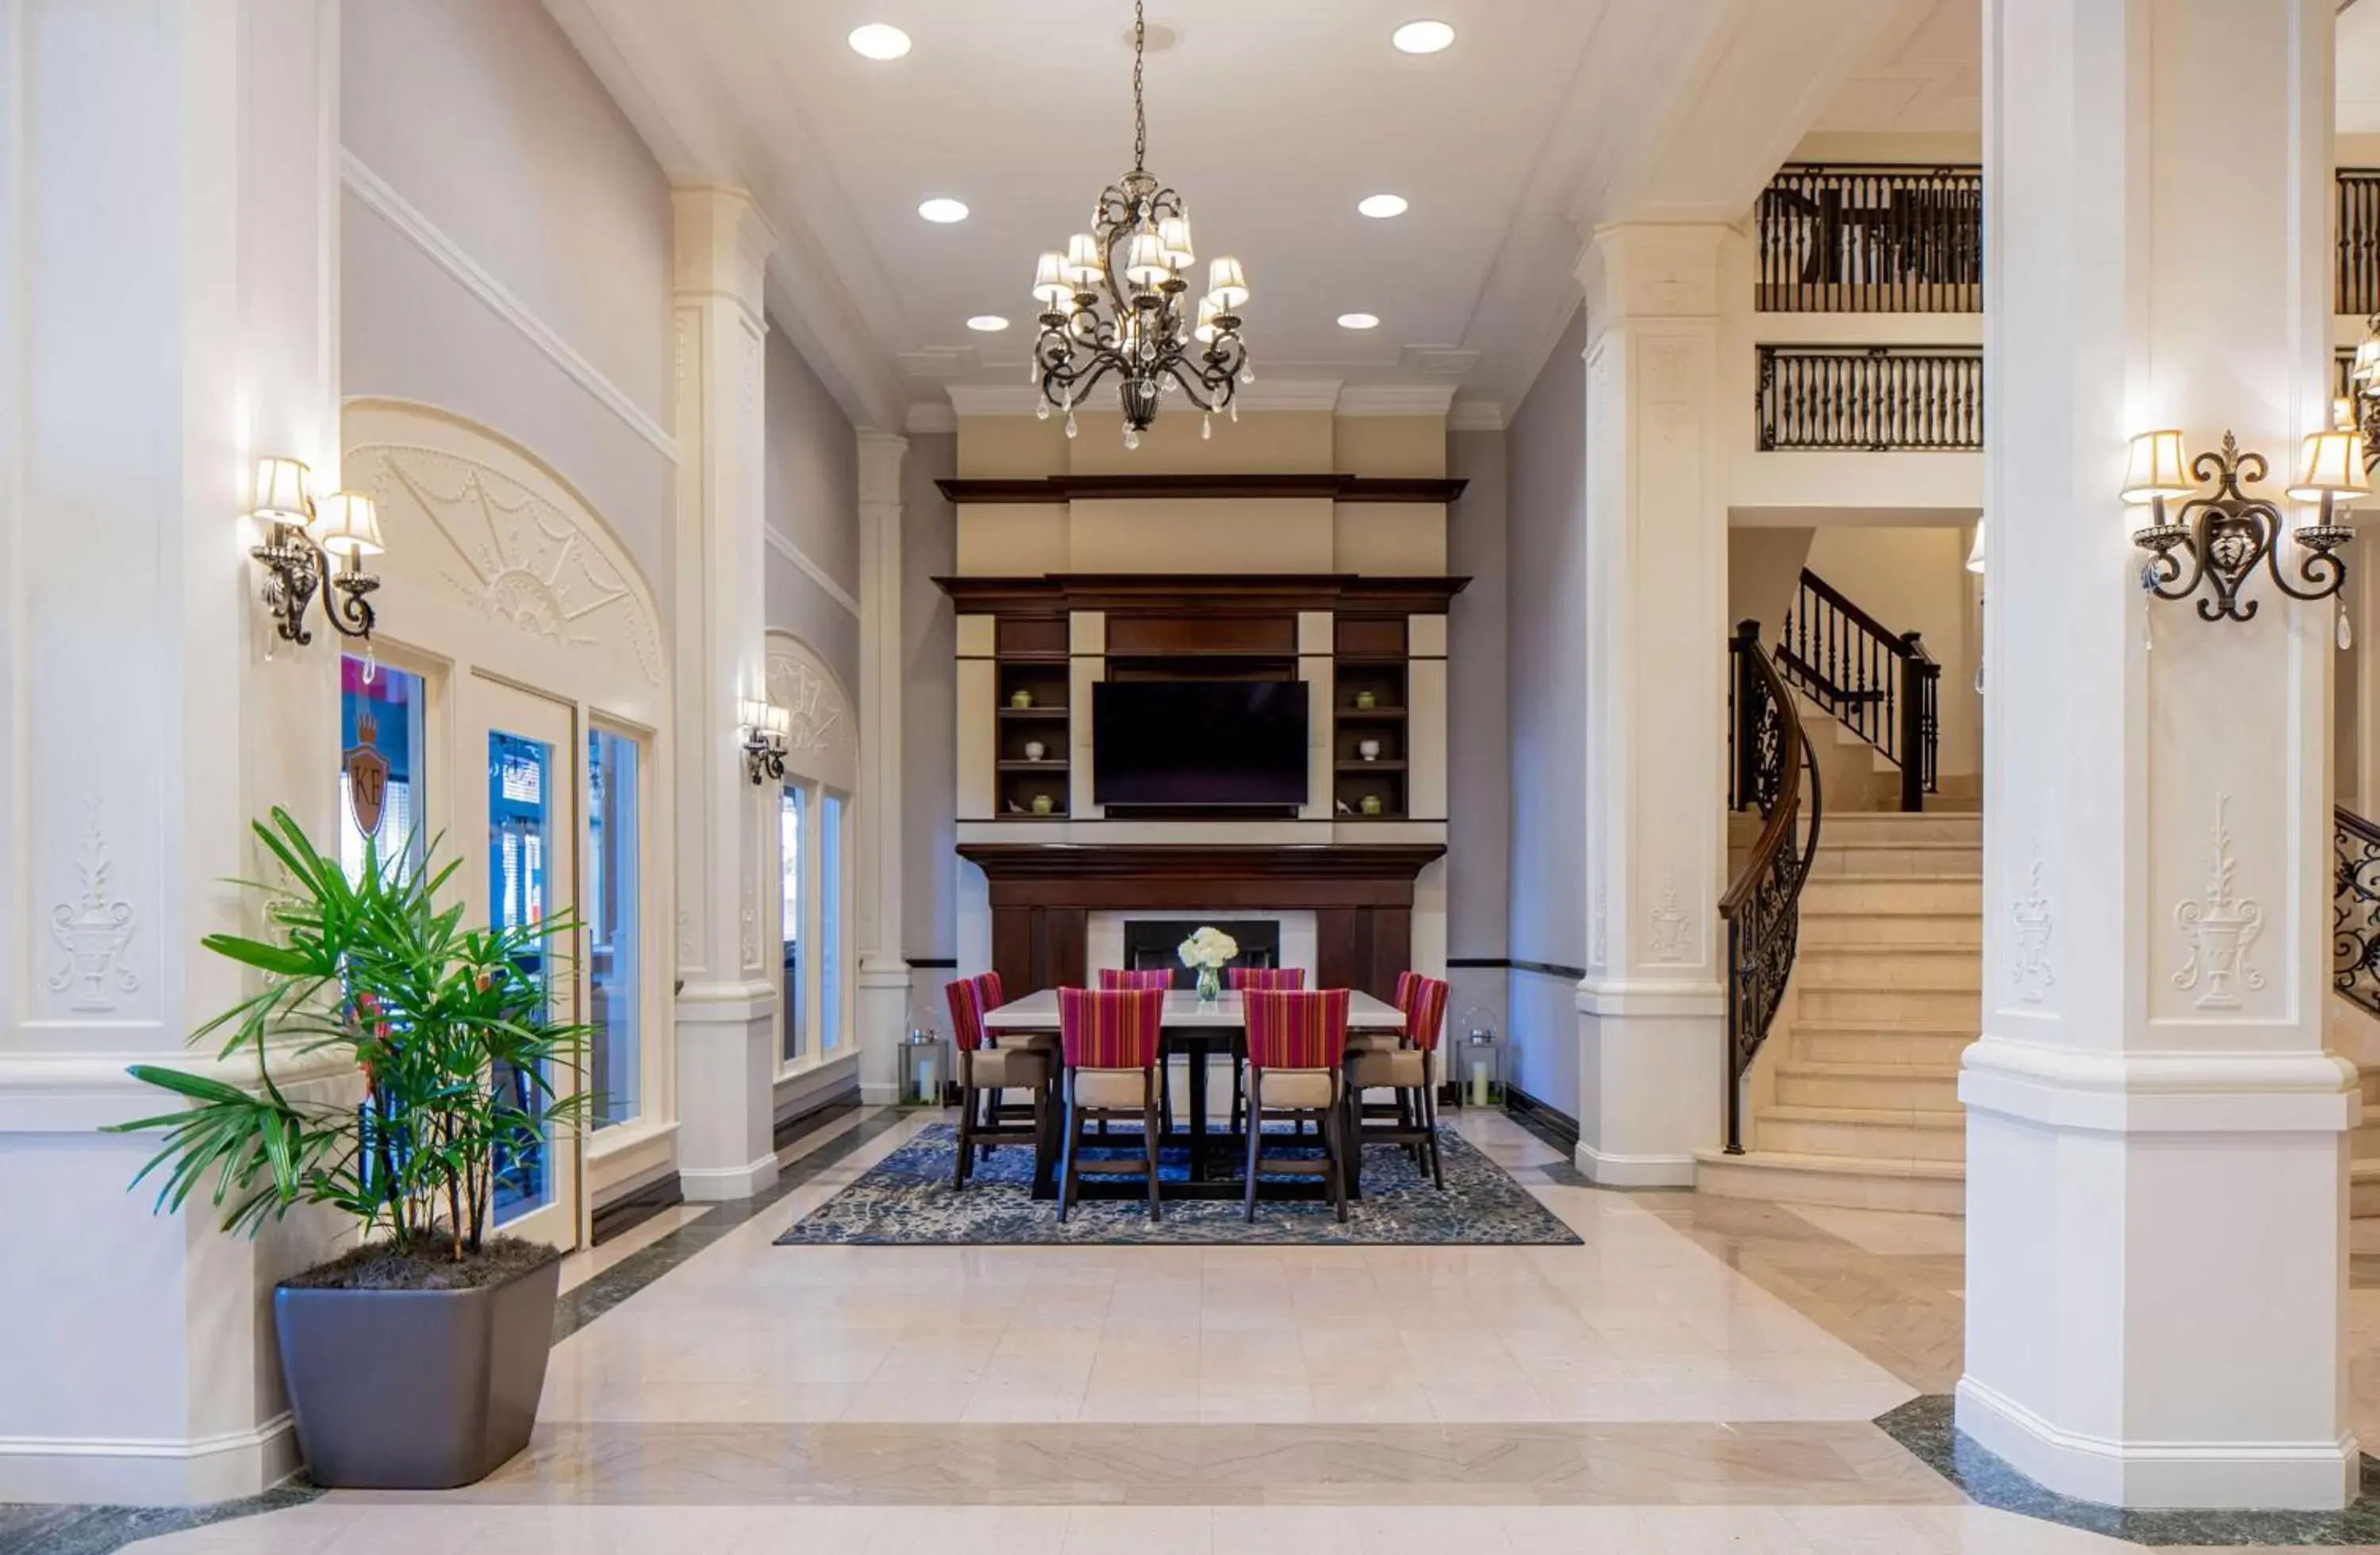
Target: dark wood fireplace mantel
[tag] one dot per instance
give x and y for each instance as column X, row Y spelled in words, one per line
column 1043, row 893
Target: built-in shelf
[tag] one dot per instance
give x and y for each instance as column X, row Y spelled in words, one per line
column 1047, row 766
column 1369, row 715
column 1369, row 660
column 1360, row 765
column 1030, row 657
column 1054, row 714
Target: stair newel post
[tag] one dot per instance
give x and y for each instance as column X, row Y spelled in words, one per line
column 1916, row 732
column 1741, row 713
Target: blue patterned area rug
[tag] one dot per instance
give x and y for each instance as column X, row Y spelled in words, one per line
column 906, row 1201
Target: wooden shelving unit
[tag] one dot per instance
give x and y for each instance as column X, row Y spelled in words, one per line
column 1369, row 664
column 1031, row 663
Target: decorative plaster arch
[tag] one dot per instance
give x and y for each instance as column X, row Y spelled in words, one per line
column 823, row 746
column 494, row 558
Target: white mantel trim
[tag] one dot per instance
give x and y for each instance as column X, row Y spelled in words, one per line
column 425, row 235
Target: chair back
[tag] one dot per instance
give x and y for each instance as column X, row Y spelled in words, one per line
column 1111, row 1027
column 1422, row 1001
column 1296, row 1028
column 1245, row 977
column 1112, row 978
column 966, row 998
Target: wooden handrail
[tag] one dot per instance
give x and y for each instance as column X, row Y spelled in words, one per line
column 1902, row 645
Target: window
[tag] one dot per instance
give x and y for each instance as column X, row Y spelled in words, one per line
column 789, row 851
column 380, row 717
column 615, row 975
column 519, row 837
column 833, row 892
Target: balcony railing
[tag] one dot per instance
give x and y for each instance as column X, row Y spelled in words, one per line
column 2359, row 241
column 1836, row 238
column 1924, row 399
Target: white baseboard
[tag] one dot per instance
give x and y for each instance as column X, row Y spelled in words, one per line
column 2296, row 1476
column 1634, row 1172
column 880, row 1093
column 721, row 1184
column 148, row 1471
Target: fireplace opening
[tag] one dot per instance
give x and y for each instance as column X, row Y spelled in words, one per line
column 1149, row 942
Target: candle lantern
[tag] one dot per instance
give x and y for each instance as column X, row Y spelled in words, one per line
column 921, row 1062
column 1476, row 1051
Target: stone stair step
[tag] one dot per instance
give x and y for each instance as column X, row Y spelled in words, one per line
column 1932, row 1009
column 1895, row 966
column 1837, row 892
column 1874, row 827
column 1932, row 1052
column 1828, row 926
column 1871, row 1132
column 1857, row 857
column 1867, row 1087
column 1844, row 1182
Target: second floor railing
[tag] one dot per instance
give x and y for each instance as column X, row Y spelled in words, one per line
column 2359, row 241
column 1847, row 239
column 1926, row 399
column 2355, row 909
column 1879, row 684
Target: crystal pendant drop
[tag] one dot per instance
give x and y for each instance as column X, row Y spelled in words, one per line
column 371, row 663
column 1131, row 438
column 1206, row 427
column 1041, row 409
column 1247, row 375
column 2346, row 635
column 1070, row 423
column 1236, row 413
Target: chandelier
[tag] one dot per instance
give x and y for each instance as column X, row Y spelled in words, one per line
column 1117, row 301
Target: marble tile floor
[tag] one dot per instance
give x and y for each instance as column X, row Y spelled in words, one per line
column 1697, row 1375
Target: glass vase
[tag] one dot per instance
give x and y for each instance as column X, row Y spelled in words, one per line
column 1211, row 984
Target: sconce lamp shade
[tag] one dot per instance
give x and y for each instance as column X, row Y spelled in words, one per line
column 1227, row 284
column 1205, row 332
column 346, row 524
column 1144, row 259
column 1975, row 551
column 1049, row 281
column 2330, row 463
column 752, row 714
column 2157, row 467
column 280, row 493
column 1174, row 233
column 1084, row 263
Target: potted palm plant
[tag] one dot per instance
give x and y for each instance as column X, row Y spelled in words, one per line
column 415, row 1359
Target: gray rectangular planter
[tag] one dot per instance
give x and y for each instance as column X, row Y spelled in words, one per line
column 415, row 1390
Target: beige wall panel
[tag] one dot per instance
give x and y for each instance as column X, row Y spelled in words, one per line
column 1390, row 539
column 979, row 636
column 1086, row 632
column 1083, row 674
column 1000, row 539
column 1317, row 632
column 978, row 736
column 1262, row 442
column 1426, row 636
column 1216, row 535
column 1321, row 675
column 1399, row 445
column 1011, row 447
column 1425, row 739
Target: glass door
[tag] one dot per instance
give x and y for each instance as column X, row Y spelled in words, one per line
column 529, row 810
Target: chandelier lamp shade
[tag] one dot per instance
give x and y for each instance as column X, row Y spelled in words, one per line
column 313, row 546
column 1116, row 302
column 2217, row 540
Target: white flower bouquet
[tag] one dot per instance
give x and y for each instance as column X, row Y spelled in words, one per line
column 1208, row 951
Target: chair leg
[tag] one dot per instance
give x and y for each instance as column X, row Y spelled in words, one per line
column 1040, row 1120
column 1333, row 1123
column 1429, row 1114
column 967, row 1140
column 1256, row 1146
column 1070, row 1176
column 1149, row 1130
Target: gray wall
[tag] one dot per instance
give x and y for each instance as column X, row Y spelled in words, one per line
column 480, row 117
column 811, row 502
column 929, row 543
column 1479, row 831
column 1546, row 648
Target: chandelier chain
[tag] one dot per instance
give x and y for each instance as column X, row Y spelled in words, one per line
column 1139, row 109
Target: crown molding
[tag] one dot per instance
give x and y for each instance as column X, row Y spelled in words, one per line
column 992, row 399
column 449, row 256
column 1165, row 487
column 1290, row 394
column 1396, row 399
column 783, row 544
column 928, row 419
column 1474, row 416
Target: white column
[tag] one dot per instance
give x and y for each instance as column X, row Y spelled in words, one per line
column 168, row 246
column 727, row 1055
column 1652, row 1006
column 883, row 1005
column 2156, row 1158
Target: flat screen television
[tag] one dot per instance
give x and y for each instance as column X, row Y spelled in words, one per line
column 1198, row 742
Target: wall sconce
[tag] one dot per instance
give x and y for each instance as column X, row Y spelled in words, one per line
column 765, row 726
column 1975, row 551
column 303, row 537
column 2219, row 540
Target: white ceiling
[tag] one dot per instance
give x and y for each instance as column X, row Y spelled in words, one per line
column 1271, row 116
column 1925, row 77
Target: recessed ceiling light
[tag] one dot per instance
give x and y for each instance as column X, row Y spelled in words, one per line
column 880, row 41
column 1423, row 37
column 943, row 211
column 1382, row 206
column 988, row 323
column 1359, row 320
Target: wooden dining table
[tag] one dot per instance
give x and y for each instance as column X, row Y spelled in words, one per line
column 1198, row 1030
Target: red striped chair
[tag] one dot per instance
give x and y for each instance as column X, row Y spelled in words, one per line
column 985, row 1071
column 1110, row 1039
column 1296, row 1041
column 1266, row 978
column 1113, row 977
column 1409, row 1070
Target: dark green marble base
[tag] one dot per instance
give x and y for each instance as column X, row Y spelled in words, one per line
column 97, row 1530
column 1924, row 1425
